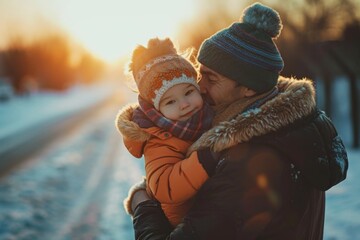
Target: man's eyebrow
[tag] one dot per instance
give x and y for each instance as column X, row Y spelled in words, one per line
column 208, row 72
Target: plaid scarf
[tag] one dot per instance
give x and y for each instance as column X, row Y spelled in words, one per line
column 147, row 116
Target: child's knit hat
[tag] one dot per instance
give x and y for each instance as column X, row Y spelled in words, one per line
column 159, row 67
column 245, row 52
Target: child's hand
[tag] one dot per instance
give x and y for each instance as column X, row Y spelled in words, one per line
column 139, row 197
column 128, row 202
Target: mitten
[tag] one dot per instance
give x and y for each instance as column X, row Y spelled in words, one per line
column 136, row 187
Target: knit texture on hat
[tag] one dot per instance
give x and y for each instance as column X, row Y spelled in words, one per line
column 245, row 52
column 157, row 67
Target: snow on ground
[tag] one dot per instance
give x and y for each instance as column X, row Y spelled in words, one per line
column 342, row 214
column 41, row 198
column 20, row 113
column 85, row 170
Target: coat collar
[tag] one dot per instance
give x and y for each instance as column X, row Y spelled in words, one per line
column 296, row 99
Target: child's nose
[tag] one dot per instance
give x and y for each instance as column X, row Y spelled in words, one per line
column 184, row 104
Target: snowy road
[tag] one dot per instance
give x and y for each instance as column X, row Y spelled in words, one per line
column 73, row 188
column 16, row 147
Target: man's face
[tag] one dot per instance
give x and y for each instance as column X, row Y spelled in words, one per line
column 218, row 89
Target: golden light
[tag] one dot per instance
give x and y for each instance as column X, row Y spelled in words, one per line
column 262, row 181
column 111, row 29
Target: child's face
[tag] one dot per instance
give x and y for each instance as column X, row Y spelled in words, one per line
column 180, row 102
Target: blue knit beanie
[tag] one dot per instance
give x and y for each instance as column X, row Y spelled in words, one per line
column 245, row 51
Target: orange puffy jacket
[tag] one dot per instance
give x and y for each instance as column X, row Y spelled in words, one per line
column 172, row 178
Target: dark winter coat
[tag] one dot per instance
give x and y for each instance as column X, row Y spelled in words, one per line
column 276, row 164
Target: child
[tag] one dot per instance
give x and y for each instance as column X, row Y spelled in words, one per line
column 169, row 117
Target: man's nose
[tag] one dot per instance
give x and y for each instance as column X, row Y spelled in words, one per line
column 202, row 86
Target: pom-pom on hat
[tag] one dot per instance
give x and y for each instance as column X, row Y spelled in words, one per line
column 158, row 67
column 245, row 52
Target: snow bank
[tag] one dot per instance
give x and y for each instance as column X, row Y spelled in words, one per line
column 22, row 113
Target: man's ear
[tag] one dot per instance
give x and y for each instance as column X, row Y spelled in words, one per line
column 249, row 92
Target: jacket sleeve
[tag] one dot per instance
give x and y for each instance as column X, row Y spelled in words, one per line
column 134, row 147
column 318, row 152
column 171, row 177
column 150, row 223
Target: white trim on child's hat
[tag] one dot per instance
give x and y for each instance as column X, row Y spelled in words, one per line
column 167, row 84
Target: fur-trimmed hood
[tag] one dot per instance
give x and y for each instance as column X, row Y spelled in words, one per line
column 296, row 99
column 127, row 127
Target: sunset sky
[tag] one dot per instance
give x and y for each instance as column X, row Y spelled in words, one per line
column 108, row 28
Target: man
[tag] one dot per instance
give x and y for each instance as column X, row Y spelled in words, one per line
column 278, row 153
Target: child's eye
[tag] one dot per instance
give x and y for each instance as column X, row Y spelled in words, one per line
column 189, row 92
column 170, row 102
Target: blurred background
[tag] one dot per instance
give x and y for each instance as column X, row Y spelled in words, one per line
column 63, row 169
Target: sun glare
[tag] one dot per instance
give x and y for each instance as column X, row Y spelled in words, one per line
column 111, row 29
